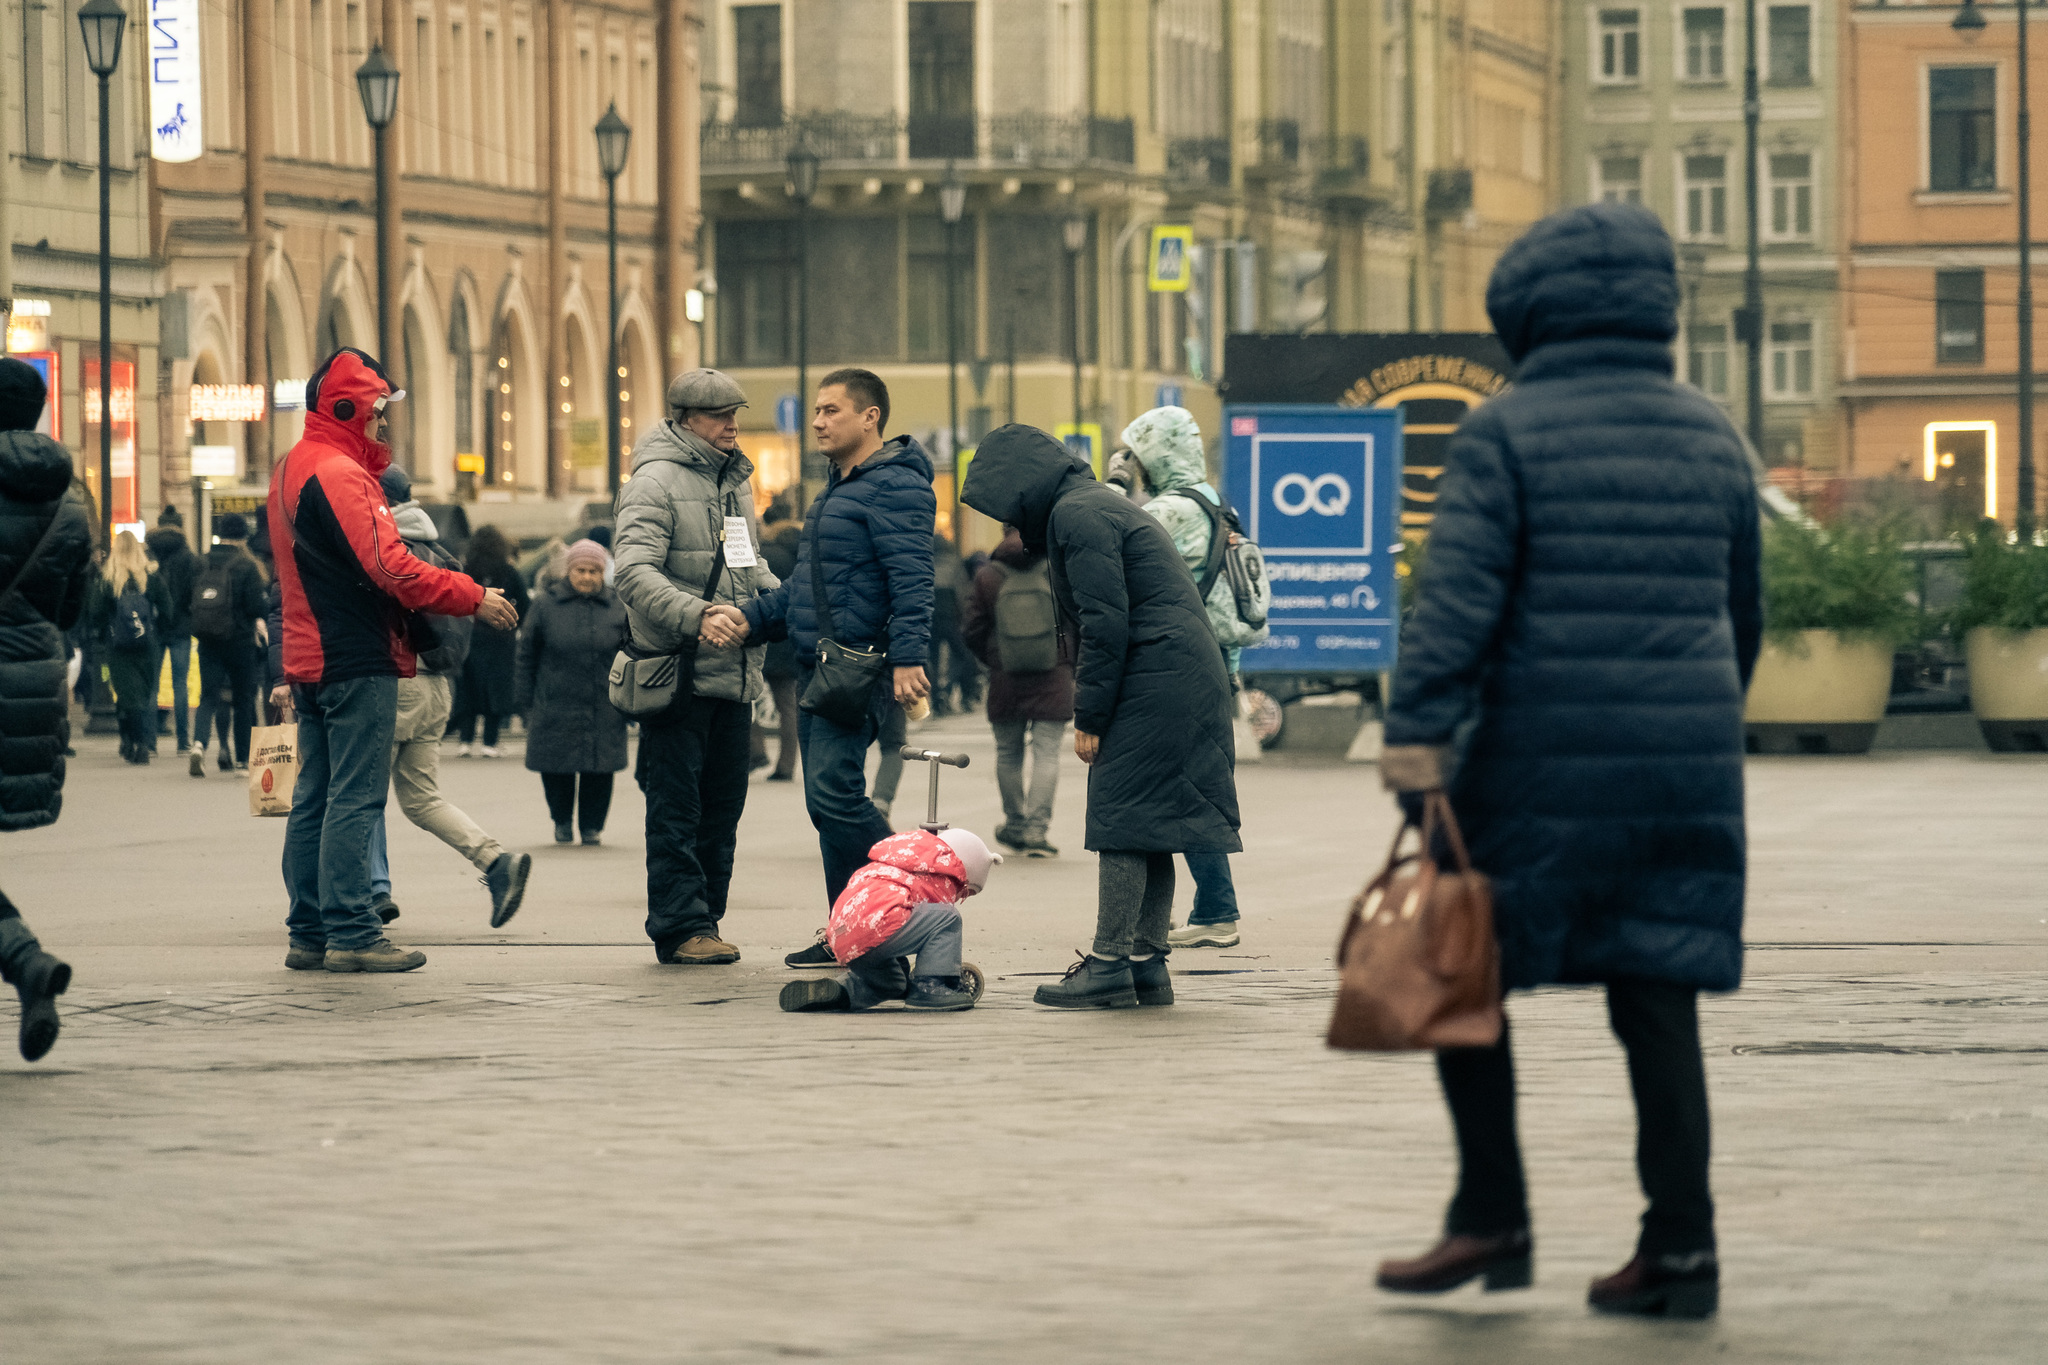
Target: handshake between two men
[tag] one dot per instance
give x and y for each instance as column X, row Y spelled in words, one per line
column 724, row 626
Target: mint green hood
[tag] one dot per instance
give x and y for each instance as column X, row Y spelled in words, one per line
column 1168, row 443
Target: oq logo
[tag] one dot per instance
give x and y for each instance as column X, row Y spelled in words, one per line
column 1314, row 493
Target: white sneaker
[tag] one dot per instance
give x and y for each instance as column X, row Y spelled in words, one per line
column 489, row 751
column 1222, row 935
column 462, row 751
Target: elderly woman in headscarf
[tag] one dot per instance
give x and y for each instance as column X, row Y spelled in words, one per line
column 575, row 740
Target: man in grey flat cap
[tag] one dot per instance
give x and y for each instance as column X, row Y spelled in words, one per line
column 688, row 551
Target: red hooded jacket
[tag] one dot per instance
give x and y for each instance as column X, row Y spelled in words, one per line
column 344, row 570
column 909, row 870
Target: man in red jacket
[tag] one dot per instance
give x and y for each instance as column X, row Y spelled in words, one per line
column 349, row 586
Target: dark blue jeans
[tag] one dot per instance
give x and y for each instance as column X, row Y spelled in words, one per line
column 1215, row 895
column 836, row 786
column 345, row 733
column 178, row 649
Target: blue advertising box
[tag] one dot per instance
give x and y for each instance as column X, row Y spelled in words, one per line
column 1319, row 488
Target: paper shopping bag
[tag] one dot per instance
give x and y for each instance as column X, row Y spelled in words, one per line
column 273, row 768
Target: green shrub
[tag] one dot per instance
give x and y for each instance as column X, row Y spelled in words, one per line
column 2005, row 583
column 1852, row 577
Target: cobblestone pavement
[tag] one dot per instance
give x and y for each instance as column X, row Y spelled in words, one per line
column 543, row 1147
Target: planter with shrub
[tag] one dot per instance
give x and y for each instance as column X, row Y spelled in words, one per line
column 2002, row 624
column 1837, row 604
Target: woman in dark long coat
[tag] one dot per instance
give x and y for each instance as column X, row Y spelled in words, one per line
column 45, row 574
column 487, row 689
column 1151, row 702
column 575, row 738
column 1591, row 611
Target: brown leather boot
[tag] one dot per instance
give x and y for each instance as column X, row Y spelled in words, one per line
column 1505, row 1259
column 1680, row 1286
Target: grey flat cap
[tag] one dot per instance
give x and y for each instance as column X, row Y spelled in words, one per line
column 706, row 389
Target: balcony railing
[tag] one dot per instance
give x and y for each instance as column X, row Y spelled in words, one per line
column 888, row 139
column 1199, row 161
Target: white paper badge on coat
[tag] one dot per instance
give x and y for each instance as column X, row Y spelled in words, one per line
column 739, row 546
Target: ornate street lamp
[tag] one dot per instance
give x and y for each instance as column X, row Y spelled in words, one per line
column 377, row 83
column 803, row 184
column 102, row 23
column 1075, row 231
column 613, row 140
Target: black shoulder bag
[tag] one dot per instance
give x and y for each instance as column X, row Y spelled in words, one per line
column 844, row 685
column 643, row 684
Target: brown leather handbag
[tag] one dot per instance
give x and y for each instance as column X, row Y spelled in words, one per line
column 1420, row 968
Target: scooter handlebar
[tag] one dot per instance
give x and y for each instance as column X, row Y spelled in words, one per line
column 912, row 754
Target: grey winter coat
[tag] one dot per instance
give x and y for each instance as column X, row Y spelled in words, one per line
column 566, row 645
column 668, row 524
column 1149, row 678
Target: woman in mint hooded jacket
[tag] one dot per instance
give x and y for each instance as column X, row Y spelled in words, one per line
column 1167, row 443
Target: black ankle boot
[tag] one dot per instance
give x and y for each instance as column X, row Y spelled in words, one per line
column 1092, row 984
column 1666, row 1286
column 39, row 979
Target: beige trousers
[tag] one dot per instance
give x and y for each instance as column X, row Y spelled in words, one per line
column 423, row 706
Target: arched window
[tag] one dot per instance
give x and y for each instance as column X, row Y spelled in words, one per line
column 463, row 370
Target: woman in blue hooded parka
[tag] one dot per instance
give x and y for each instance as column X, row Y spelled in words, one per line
column 1573, row 676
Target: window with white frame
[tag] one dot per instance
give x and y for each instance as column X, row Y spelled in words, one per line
column 1705, row 196
column 1791, row 358
column 1706, row 358
column 1789, row 31
column 1618, row 46
column 1705, row 38
column 1791, row 196
column 1619, row 180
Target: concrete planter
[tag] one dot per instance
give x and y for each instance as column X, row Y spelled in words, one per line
column 2009, row 687
column 1824, row 694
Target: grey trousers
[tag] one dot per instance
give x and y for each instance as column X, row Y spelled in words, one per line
column 931, row 935
column 423, row 707
column 1134, row 908
column 1028, row 810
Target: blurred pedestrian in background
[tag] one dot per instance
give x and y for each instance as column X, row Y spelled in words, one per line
column 1152, row 704
column 423, row 706
column 575, row 738
column 1588, row 618
column 229, row 607
column 1170, row 476
column 956, row 679
column 179, row 567
column 1011, row 621
column 45, row 577
column 779, row 536
column 487, row 689
column 128, row 599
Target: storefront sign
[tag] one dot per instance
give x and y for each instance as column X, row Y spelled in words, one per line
column 213, row 462
column 469, row 464
column 174, row 104
column 126, row 502
column 289, row 395
column 28, row 325
column 227, row 403
column 586, row 443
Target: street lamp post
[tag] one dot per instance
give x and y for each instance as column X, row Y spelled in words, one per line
column 1075, row 231
column 102, row 23
column 952, row 201
column 377, row 83
column 803, row 183
column 1969, row 23
column 1750, row 321
column 613, row 138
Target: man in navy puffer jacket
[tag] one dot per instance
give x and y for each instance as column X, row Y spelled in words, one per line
column 871, row 531
column 1585, row 629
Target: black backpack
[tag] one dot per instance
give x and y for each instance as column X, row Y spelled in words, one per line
column 213, row 603
column 134, row 620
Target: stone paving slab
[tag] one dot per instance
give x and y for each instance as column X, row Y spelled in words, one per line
column 544, row 1148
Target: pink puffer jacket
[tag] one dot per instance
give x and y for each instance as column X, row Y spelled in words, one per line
column 908, row 870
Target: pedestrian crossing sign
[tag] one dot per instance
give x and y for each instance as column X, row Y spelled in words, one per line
column 1171, row 262
column 1084, row 440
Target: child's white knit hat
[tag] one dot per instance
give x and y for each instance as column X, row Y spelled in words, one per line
column 977, row 856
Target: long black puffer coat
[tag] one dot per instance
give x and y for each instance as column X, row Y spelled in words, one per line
column 1590, row 605
column 566, row 647
column 36, row 495
column 1149, row 678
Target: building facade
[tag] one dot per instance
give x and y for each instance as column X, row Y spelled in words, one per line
column 1930, row 275
column 1322, row 188
column 495, row 226
column 49, row 243
column 1654, row 93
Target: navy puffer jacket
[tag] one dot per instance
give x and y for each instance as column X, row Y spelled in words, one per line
column 1590, row 608
column 873, row 530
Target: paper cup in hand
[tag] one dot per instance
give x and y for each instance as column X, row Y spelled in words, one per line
column 918, row 709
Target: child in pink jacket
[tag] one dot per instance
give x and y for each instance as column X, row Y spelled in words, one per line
column 900, row 906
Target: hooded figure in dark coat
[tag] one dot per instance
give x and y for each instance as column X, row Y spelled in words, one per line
column 45, row 570
column 1152, row 707
column 1585, row 628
